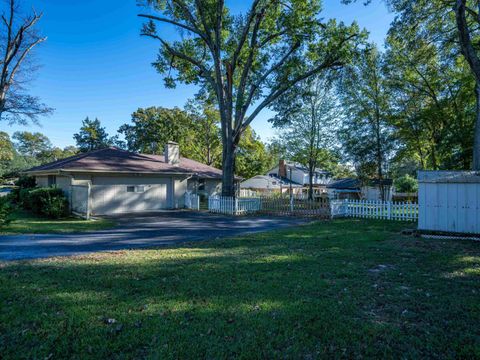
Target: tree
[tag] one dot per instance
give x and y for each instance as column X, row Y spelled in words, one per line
column 448, row 23
column 204, row 142
column 17, row 40
column 153, row 127
column 6, row 147
column 248, row 61
column 307, row 116
column 252, row 156
column 55, row 153
column 31, row 144
column 433, row 108
column 366, row 135
column 92, row 136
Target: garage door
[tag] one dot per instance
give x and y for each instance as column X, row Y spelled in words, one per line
column 112, row 195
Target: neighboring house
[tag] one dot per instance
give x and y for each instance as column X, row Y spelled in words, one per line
column 123, row 182
column 299, row 175
column 345, row 189
column 267, row 184
column 351, row 188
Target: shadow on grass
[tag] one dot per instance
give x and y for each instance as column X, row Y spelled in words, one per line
column 339, row 289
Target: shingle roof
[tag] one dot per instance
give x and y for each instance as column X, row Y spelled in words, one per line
column 349, row 183
column 116, row 160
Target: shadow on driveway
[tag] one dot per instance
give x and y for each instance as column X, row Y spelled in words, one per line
column 140, row 231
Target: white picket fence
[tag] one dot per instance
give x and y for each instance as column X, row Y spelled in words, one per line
column 192, row 201
column 233, row 206
column 388, row 210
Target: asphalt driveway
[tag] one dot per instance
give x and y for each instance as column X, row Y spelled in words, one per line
column 140, row 231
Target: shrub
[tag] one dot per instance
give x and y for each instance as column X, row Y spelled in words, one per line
column 6, row 210
column 406, row 184
column 49, row 202
column 24, row 182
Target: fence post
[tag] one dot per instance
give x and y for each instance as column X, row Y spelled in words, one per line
column 389, row 210
column 88, row 201
column 235, row 210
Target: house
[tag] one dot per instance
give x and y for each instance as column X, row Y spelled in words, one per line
column 268, row 184
column 299, row 175
column 120, row 181
column 354, row 189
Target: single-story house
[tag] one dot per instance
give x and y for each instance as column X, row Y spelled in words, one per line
column 267, row 184
column 351, row 188
column 120, row 181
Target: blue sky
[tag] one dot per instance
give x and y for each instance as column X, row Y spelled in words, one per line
column 95, row 64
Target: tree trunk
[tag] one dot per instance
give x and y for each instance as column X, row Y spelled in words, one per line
column 476, row 141
column 228, row 171
column 310, row 181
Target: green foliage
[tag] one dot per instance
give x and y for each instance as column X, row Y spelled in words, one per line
column 92, row 136
column 31, row 144
column 366, row 135
column 6, row 210
column 153, row 127
column 252, row 156
column 48, row 202
column 406, row 184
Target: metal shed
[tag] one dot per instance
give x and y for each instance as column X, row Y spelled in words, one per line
column 449, row 201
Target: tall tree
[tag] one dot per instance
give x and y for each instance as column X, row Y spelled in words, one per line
column 18, row 37
column 451, row 23
column 92, row 136
column 31, row 144
column 366, row 134
column 246, row 60
column 431, row 102
column 204, row 142
column 308, row 116
column 153, row 127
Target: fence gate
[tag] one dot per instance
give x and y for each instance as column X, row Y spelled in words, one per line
column 80, row 200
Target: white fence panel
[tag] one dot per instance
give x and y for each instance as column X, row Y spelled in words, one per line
column 233, row 206
column 192, row 201
column 387, row 210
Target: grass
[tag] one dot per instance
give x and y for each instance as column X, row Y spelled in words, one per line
column 24, row 222
column 341, row 289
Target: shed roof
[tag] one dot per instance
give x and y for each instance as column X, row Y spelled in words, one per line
column 427, row 176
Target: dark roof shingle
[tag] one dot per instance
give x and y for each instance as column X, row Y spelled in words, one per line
column 116, row 160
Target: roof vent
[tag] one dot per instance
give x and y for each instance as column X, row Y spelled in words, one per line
column 172, row 153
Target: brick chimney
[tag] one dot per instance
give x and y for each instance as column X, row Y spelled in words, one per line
column 172, row 153
column 282, row 168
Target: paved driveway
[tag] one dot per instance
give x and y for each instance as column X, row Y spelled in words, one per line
column 139, row 231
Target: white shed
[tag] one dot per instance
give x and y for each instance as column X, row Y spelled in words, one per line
column 449, row 201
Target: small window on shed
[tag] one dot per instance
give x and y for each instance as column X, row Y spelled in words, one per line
column 52, row 180
column 201, row 184
column 130, row 188
column 139, row 188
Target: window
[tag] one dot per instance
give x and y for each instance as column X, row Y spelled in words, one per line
column 136, row 189
column 201, row 184
column 52, row 180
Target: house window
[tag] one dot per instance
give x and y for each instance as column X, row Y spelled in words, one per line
column 52, row 180
column 136, row 189
column 201, row 184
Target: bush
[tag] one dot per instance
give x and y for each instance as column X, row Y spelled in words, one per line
column 6, row 210
column 26, row 182
column 406, row 184
column 49, row 202
column 23, row 183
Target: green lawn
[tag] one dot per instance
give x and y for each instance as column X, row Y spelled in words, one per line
column 28, row 223
column 341, row 289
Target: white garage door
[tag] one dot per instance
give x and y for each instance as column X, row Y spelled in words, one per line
column 117, row 195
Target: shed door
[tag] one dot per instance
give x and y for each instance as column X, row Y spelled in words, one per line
column 114, row 195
